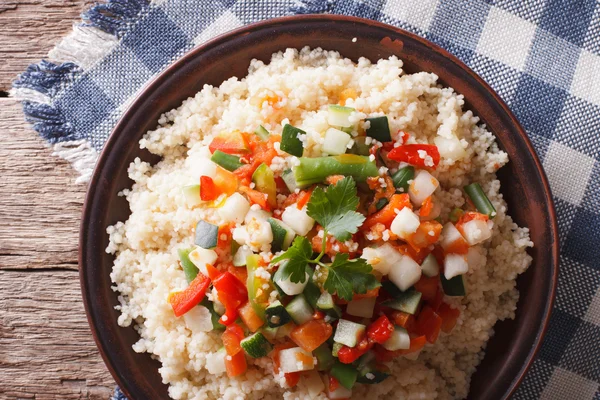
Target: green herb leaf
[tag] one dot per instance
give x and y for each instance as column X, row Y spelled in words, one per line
column 298, row 256
column 335, row 208
column 346, row 277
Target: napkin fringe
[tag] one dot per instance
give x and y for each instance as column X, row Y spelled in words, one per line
column 40, row 86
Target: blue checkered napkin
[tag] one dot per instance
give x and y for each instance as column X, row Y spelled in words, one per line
column 541, row 56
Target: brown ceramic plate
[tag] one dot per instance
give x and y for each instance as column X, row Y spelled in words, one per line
column 525, row 187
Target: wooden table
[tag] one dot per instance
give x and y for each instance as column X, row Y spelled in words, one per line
column 46, row 348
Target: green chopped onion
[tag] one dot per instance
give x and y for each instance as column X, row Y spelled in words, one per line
column 480, row 200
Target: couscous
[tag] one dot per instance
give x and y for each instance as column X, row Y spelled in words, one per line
column 318, row 229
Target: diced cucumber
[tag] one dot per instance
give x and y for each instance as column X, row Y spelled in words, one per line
column 290, row 288
column 240, row 256
column 335, row 349
column 214, row 317
column 256, row 345
column 282, row 235
column 346, row 374
column 400, row 340
column 430, row 266
column 295, row 359
column 290, row 143
column 339, row 115
column 325, row 303
column 348, row 332
column 362, row 307
column 207, row 235
column 264, row 179
column 369, row 374
column 401, row 178
column 269, row 333
column 285, row 330
column 453, row 287
column 189, row 269
column 262, row 132
column 191, row 193
column 290, row 180
column 325, row 359
column 379, row 129
column 299, row 310
column 276, row 314
column 407, row 302
column 227, row 161
column 392, row 289
column 360, row 147
column 311, row 291
column 335, row 142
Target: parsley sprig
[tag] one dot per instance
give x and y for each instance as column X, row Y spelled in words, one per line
column 335, row 210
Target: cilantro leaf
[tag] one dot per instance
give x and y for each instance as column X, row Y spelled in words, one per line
column 297, row 255
column 335, row 208
column 347, row 277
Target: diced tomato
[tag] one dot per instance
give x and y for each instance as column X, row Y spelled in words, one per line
column 437, row 302
column 333, row 179
column 426, row 207
column 333, row 384
column 380, row 330
column 208, row 189
column 249, row 317
column 409, row 153
column 426, row 234
column 405, row 320
column 311, row 334
column 226, row 181
column 346, row 94
column 281, row 186
column 428, row 286
column 449, row 317
column 256, row 197
column 348, row 355
column 230, row 143
column 236, row 365
column 185, row 300
column 231, row 343
column 292, row 378
column 467, row 217
column 303, row 198
column 438, row 253
column 387, row 214
column 416, row 254
column 318, row 315
column 459, row 246
column 263, row 152
column 429, row 324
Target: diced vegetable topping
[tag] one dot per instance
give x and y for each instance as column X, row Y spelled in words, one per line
column 290, row 142
column 379, row 129
column 481, row 201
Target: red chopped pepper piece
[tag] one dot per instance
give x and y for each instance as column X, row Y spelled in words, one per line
column 348, row 355
column 208, row 190
column 292, row 378
column 231, row 143
column 236, row 365
column 449, row 316
column 429, row 324
column 387, row 214
column 184, row 301
column 409, row 153
column 380, row 330
column 232, row 293
column 428, row 286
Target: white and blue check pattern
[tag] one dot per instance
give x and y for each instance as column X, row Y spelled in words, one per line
column 541, row 56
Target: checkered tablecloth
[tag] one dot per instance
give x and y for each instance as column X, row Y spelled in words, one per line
column 541, row 56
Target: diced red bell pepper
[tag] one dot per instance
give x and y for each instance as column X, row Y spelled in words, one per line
column 437, row 302
column 380, row 330
column 429, row 324
column 333, row 384
column 409, row 153
column 311, row 334
column 208, row 190
column 426, row 207
column 428, row 286
column 231, row 338
column 387, row 214
column 348, row 355
column 226, row 181
column 232, row 293
column 250, row 318
column 426, row 234
column 292, row 378
column 405, row 320
column 230, row 143
column 449, row 317
column 184, row 301
column 236, row 365
column 256, row 197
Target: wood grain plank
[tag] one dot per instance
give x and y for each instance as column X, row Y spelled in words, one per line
column 30, row 28
column 40, row 205
column 46, row 348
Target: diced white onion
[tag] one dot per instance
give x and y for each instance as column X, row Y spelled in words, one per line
column 198, row 319
column 381, row 258
column 405, row 223
column 476, row 231
column 235, row 208
column 422, row 186
column 298, row 220
column 200, row 257
column 405, row 273
column 313, row 383
column 450, row 235
column 400, row 340
column 295, row 359
column 454, row 265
